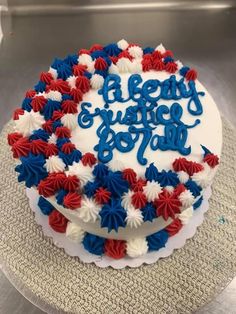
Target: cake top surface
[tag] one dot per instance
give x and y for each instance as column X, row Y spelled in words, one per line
column 117, row 128
column 153, row 116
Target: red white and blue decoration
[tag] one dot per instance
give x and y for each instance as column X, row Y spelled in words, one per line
column 80, row 182
column 71, row 240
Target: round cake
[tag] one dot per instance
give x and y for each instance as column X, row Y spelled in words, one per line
column 120, row 142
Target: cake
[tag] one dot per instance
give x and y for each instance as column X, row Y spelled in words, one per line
column 120, row 142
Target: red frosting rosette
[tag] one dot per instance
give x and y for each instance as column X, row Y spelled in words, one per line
column 68, row 148
column 57, row 221
column 46, row 77
column 167, row 205
column 115, row 248
column 102, row 196
column 38, row 147
column 38, row 103
column 59, row 85
column 45, row 188
column 212, row 160
column 180, row 164
column 129, row 175
column 72, row 200
column 71, row 183
column 139, row 199
column 51, row 150
column 57, row 180
column 21, row 147
column 69, row 106
column 88, row 159
column 12, row 138
column 174, row 227
column 83, row 83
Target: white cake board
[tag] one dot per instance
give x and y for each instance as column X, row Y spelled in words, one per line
column 74, row 249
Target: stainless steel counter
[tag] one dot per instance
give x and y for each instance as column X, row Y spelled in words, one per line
column 203, row 38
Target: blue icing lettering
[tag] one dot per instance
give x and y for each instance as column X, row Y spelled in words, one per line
column 143, row 117
column 150, row 87
column 147, row 134
column 168, row 89
column 111, row 83
column 85, row 118
column 133, row 88
column 174, row 139
column 196, row 109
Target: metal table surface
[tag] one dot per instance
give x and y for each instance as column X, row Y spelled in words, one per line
column 202, row 38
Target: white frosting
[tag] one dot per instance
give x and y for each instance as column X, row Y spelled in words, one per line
column 203, row 178
column 70, row 121
column 206, row 133
column 52, row 139
column 86, row 59
column 136, row 247
column 135, row 66
column 124, row 65
column 183, row 176
column 186, row 215
column 84, row 173
column 116, row 165
column 169, row 188
column 74, row 232
column 186, row 198
column 55, row 164
column 71, row 81
column 122, row 44
column 113, row 69
column 179, row 64
column 53, row 72
column 151, row 190
column 134, row 217
column 89, row 210
column 96, row 81
column 29, row 122
column 54, row 95
column 161, row 48
column 126, row 200
column 136, row 52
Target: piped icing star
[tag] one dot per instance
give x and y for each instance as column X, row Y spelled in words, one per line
column 148, row 212
column 74, row 232
column 186, row 198
column 69, row 120
column 88, row 210
column 31, row 170
column 126, row 199
column 84, row 173
column 186, row 215
column 134, row 217
column 55, row 164
column 28, row 122
column 167, row 205
column 152, row 190
column 113, row 215
column 136, row 247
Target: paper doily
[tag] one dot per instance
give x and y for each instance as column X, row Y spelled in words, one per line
column 75, row 249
